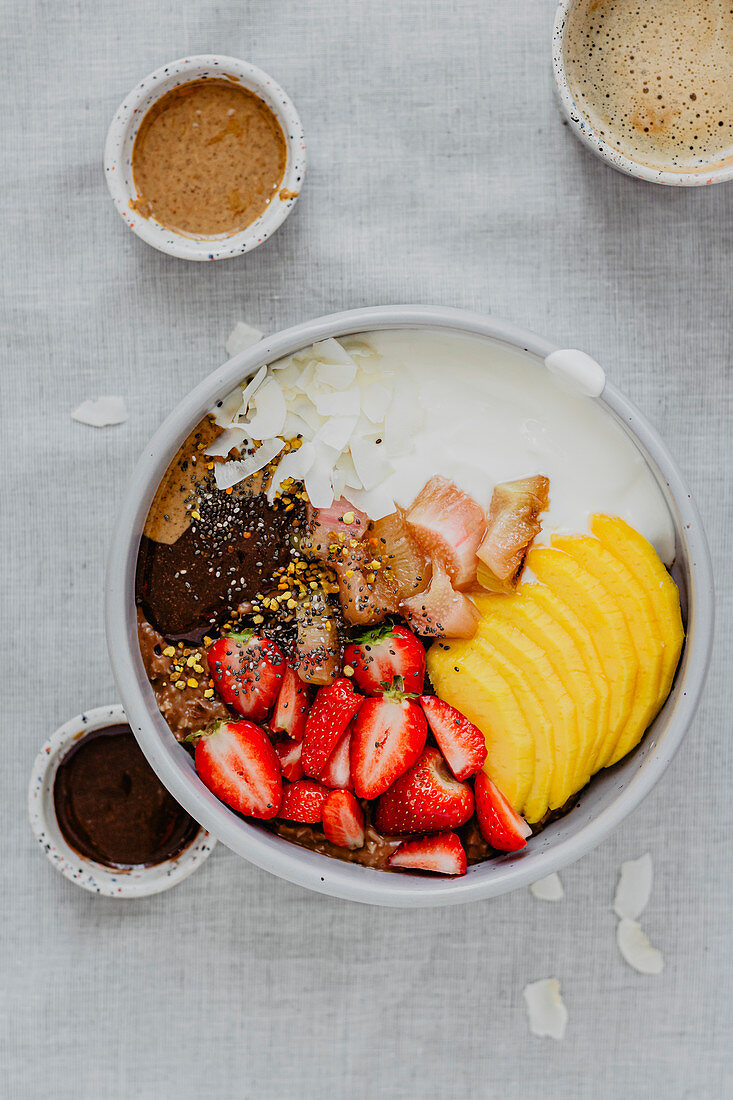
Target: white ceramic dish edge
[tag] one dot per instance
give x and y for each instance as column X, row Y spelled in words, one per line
column 136, row 883
column 121, row 138
column 602, row 807
column 583, row 129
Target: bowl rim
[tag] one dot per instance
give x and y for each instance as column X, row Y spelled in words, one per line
column 298, row 865
column 137, row 882
column 590, row 137
column 182, row 71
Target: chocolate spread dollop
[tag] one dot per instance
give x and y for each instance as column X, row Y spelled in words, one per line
column 112, row 808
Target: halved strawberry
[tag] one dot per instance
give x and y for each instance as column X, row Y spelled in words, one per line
column 461, row 743
column 237, row 762
column 288, row 753
column 337, row 772
column 384, row 653
column 247, row 671
column 500, row 825
column 443, row 854
column 388, row 736
column 440, row 611
column 333, row 708
column 291, row 707
column 426, row 799
column 333, row 527
column 343, row 820
column 303, row 801
column 449, row 525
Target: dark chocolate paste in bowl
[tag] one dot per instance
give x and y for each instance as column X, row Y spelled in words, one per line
column 112, row 808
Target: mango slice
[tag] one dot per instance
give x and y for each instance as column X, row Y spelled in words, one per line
column 568, row 664
column 464, row 678
column 564, row 677
column 625, row 543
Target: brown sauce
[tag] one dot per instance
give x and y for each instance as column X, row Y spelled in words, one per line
column 208, row 158
column 112, row 808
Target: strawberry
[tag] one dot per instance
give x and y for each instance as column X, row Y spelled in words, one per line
column 343, row 820
column 333, row 708
column 337, row 772
column 247, row 671
column 461, row 743
column 237, row 762
column 442, row 853
column 388, row 736
column 291, row 707
column 288, row 753
column 380, row 655
column 500, row 825
column 303, row 801
column 426, row 799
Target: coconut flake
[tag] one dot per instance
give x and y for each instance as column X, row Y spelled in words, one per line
column 295, row 464
column 242, row 337
column 636, row 949
column 377, row 503
column 251, row 388
column 336, row 432
column 634, row 887
column 337, row 402
column 375, row 401
column 267, row 411
column 370, row 463
column 548, row 888
column 338, row 376
column 228, row 474
column 223, row 444
column 318, row 482
column 101, row 412
column 331, row 351
column 546, row 1009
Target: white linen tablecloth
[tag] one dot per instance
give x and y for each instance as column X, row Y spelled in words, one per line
column 440, row 172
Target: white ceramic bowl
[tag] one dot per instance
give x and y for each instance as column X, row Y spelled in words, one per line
column 135, row 883
column 610, row 797
column 124, row 128
column 583, row 129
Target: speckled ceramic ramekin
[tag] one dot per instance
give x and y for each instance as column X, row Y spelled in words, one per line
column 123, row 131
column 135, row 883
column 583, row 129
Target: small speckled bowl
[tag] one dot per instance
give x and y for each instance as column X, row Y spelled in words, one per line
column 135, row 883
column 583, row 129
column 123, row 131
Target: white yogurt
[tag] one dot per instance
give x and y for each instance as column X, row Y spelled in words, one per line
column 493, row 414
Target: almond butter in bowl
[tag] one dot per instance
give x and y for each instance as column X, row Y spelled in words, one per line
column 404, row 623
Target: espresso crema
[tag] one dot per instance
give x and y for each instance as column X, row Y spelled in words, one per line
column 655, row 78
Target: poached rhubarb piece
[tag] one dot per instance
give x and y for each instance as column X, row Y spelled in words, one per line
column 449, row 525
column 402, row 558
column 440, row 611
column 425, row 799
column 443, row 854
column 366, row 591
column 237, row 762
column 333, row 527
column 500, row 825
column 512, row 525
column 316, row 642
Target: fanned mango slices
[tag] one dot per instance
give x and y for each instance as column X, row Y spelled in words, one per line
column 564, row 677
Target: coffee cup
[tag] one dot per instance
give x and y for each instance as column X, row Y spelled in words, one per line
column 648, row 112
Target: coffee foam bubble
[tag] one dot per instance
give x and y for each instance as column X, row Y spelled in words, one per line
column 655, row 78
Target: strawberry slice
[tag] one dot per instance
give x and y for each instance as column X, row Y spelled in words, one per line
column 449, row 525
column 461, row 743
column 288, row 753
column 343, row 820
column 291, row 707
column 500, row 825
column 443, row 854
column 247, row 671
column 384, row 653
column 337, row 772
column 237, row 762
column 333, row 708
column 440, row 611
column 303, row 801
column 388, row 736
column 426, row 799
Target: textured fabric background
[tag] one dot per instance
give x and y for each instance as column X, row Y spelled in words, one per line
column 440, row 171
